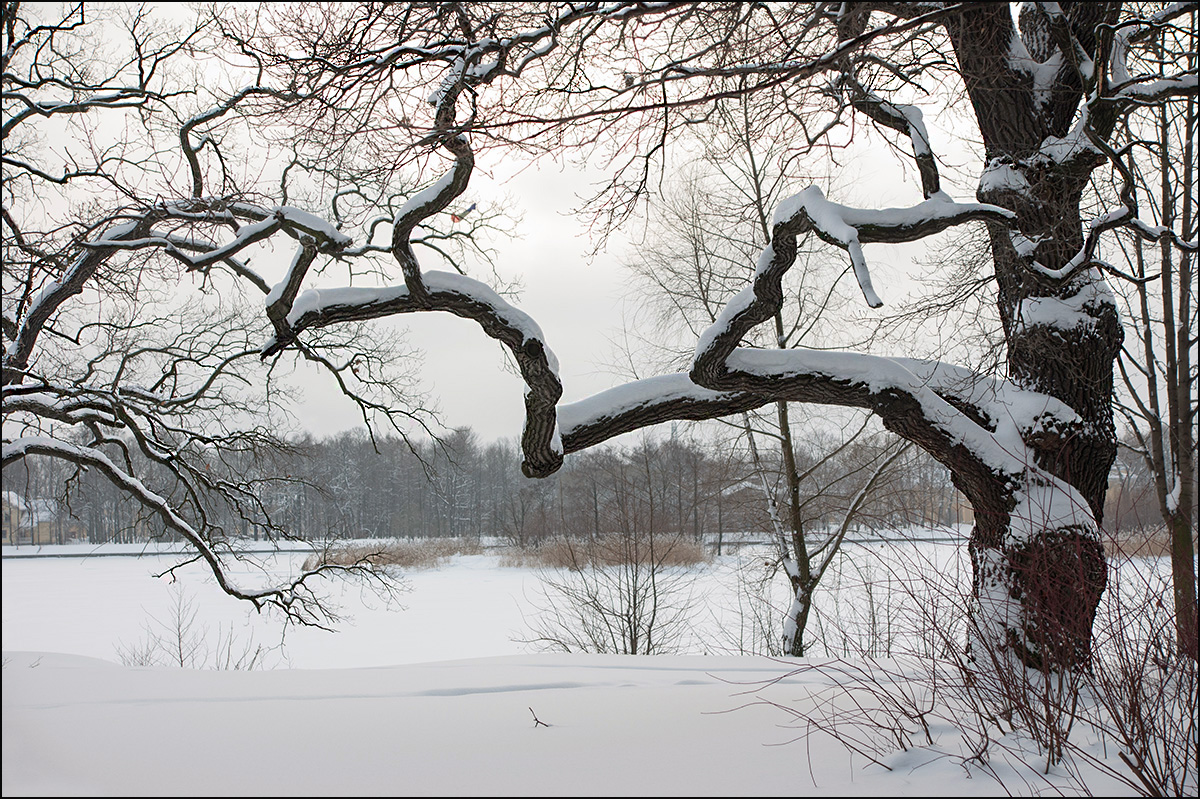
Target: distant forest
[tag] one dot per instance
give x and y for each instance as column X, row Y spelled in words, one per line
column 349, row 486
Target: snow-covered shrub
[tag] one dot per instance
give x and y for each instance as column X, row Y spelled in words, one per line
column 630, row 594
column 180, row 639
column 1026, row 728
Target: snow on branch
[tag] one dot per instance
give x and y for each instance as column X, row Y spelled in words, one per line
column 247, row 235
column 196, row 252
column 1149, row 91
column 435, row 198
column 850, row 228
column 906, row 120
column 869, row 381
column 470, row 299
column 909, row 404
column 841, row 225
column 280, row 300
column 297, row 222
column 56, row 292
column 1146, row 88
column 645, row 402
column 1122, row 216
column 979, row 424
column 264, row 222
column 119, row 97
column 38, row 399
column 1069, row 47
column 998, row 403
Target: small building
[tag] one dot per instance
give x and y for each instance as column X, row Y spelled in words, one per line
column 34, row 522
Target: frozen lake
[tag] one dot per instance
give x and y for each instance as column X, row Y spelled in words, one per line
column 473, row 606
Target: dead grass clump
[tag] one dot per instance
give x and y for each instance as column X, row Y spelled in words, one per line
column 419, row 553
column 1147, row 542
column 520, row 558
column 609, row 550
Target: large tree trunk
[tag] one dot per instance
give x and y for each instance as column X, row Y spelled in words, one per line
column 1063, row 337
column 1062, row 332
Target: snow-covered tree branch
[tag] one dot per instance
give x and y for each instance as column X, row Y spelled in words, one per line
column 354, row 106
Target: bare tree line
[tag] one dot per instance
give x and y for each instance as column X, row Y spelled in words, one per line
column 347, row 486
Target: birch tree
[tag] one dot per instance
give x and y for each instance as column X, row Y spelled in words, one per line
column 1158, row 364
column 699, row 249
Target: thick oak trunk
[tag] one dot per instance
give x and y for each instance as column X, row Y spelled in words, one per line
column 1055, row 571
column 1062, row 334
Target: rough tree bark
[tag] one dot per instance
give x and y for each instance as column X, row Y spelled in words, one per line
column 1059, row 572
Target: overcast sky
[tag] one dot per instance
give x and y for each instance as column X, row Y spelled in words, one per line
column 576, row 301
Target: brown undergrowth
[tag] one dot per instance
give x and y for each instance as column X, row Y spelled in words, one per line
column 608, row 550
column 1147, row 542
column 422, row 553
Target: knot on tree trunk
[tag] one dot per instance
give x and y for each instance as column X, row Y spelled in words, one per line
column 1055, row 579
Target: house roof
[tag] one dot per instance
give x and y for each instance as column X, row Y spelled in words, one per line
column 34, row 511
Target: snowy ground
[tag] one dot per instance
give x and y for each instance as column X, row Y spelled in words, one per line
column 439, row 698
